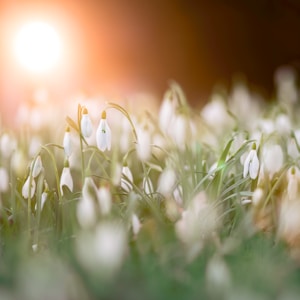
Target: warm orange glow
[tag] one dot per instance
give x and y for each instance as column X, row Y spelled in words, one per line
column 38, row 47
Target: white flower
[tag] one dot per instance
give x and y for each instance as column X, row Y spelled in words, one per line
column 179, row 131
column 272, row 159
column 43, row 200
column 251, row 164
column 8, row 144
column 104, row 199
column 147, row 185
column 166, row 112
column 66, row 179
column 103, row 250
column 257, row 196
column 86, row 210
column 86, row 124
column 127, row 179
column 166, row 182
column 36, row 166
column 136, row 224
column 4, row 181
column 103, row 134
column 293, row 178
column 27, row 186
column 67, row 143
column 143, row 146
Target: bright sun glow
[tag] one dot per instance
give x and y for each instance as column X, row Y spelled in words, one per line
column 37, row 47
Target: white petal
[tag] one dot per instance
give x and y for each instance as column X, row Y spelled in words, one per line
column 67, row 144
column 25, row 188
column 86, row 126
column 66, row 179
column 254, row 167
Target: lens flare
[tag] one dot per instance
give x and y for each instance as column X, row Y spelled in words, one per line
column 37, row 47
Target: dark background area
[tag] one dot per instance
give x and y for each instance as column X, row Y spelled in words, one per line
column 122, row 47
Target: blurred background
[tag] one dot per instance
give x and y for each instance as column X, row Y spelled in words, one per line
column 118, row 48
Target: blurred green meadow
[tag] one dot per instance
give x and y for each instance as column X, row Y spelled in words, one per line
column 169, row 203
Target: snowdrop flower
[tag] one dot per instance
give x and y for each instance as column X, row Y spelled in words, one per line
column 272, row 159
column 198, row 221
column 166, row 112
column 86, row 123
column 36, row 167
column 4, row 182
column 251, row 164
column 104, row 199
column 67, row 143
column 257, row 196
column 103, row 134
column 136, row 224
column 179, row 132
column 147, row 185
column 66, row 178
column 293, row 178
column 166, row 182
column 43, row 200
column 143, row 146
column 215, row 114
column 86, row 210
column 283, row 124
column 103, row 250
column 127, row 179
column 8, row 144
column 28, row 185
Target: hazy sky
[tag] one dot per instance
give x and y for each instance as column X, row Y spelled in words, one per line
column 120, row 47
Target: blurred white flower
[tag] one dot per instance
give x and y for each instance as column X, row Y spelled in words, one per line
column 86, row 209
column 257, row 196
column 67, row 142
column 283, row 124
column 43, row 200
column 215, row 114
column 103, row 134
column 148, row 185
column 289, row 222
column 86, row 123
column 166, row 112
column 272, row 159
column 104, row 199
column 179, row 130
column 127, row 179
column 293, row 179
column 103, row 250
column 198, row 221
column 8, row 144
column 291, row 144
column 19, row 162
column 136, row 224
column 28, row 186
column 166, row 182
column 143, row 146
column 4, row 181
column 218, row 277
column 251, row 164
column 36, row 166
column 66, row 179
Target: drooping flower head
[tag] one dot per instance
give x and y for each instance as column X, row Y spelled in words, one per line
column 103, row 134
column 67, row 143
column 251, row 164
column 66, row 178
column 86, row 123
column 36, row 166
column 29, row 187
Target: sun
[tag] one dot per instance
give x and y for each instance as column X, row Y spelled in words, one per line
column 37, row 47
